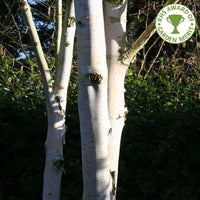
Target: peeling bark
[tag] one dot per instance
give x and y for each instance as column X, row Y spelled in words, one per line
column 95, row 78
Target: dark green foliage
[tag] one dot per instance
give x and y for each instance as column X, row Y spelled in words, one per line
column 160, row 157
column 160, row 154
column 23, row 133
column 72, row 177
column 22, row 128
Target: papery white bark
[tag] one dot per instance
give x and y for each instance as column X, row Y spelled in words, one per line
column 115, row 28
column 58, row 26
column 56, row 125
column 93, row 108
column 54, row 155
column 56, row 100
column 102, row 69
column 64, row 62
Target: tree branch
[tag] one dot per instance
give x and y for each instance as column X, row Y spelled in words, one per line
column 46, row 77
column 64, row 62
column 18, row 30
column 154, row 60
column 58, row 27
column 128, row 55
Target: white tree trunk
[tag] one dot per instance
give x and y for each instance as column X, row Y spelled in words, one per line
column 54, row 154
column 58, row 26
column 64, row 63
column 102, row 109
column 56, row 115
column 115, row 28
column 55, row 99
column 92, row 100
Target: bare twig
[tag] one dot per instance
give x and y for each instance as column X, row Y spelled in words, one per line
column 128, row 56
column 145, row 56
column 150, row 67
column 18, row 30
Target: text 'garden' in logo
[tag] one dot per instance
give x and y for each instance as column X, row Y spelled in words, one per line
column 175, row 23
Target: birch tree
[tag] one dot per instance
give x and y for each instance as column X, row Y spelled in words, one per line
column 102, row 108
column 55, row 92
column 103, row 59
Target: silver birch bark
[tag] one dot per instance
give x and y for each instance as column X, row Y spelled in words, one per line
column 92, row 100
column 118, row 61
column 64, row 62
column 56, row 126
column 55, row 100
column 58, row 26
column 115, row 29
column 101, row 92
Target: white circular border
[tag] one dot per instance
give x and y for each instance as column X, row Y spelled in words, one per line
column 167, row 28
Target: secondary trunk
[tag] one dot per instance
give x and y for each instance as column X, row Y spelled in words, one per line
column 55, row 98
column 92, row 100
column 54, row 153
column 115, row 27
column 56, row 111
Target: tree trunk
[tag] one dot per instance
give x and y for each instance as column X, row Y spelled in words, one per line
column 55, row 96
column 103, row 63
column 56, row 116
column 115, row 28
column 54, row 154
column 65, row 56
column 92, row 100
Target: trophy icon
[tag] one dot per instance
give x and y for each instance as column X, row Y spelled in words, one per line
column 175, row 20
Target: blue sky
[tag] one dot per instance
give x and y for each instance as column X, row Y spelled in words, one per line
column 34, row 1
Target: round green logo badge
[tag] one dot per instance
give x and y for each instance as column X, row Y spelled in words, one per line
column 175, row 23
